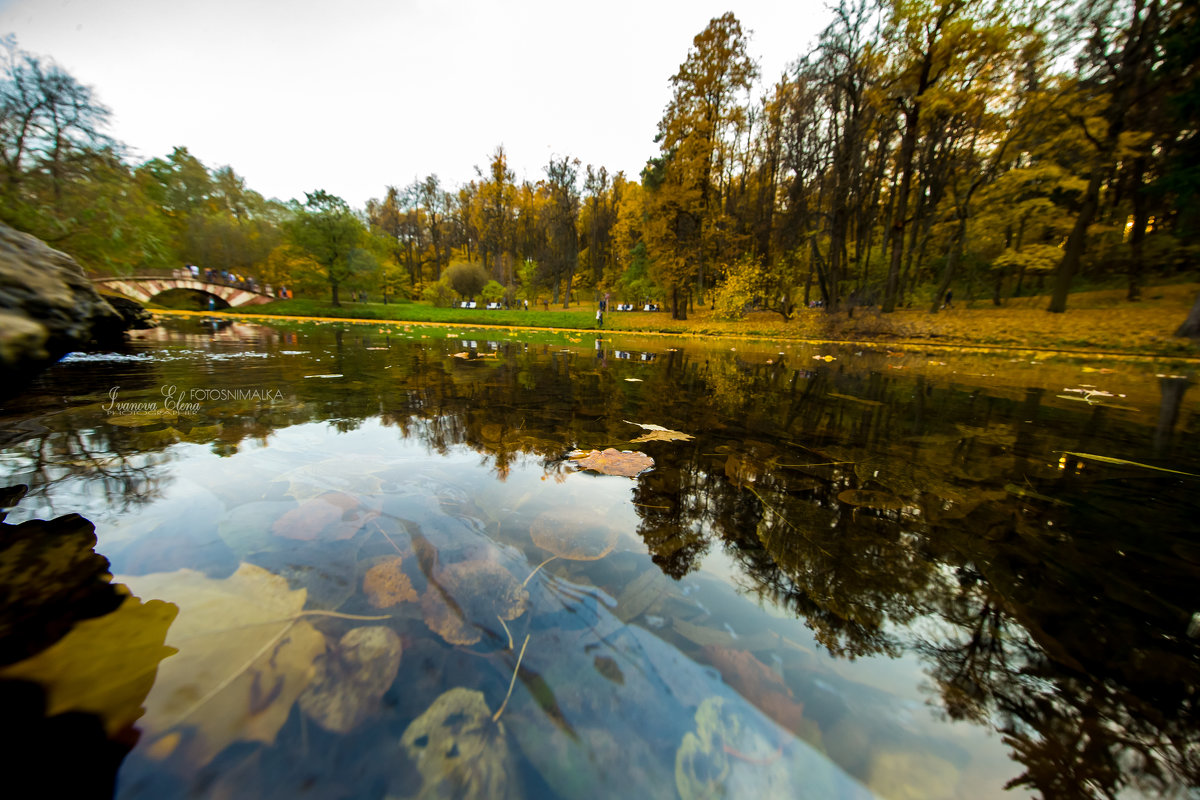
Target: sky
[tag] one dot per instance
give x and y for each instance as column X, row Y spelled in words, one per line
column 352, row 96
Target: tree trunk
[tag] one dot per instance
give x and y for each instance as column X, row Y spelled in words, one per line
column 908, row 147
column 1075, row 242
column 333, row 288
column 1191, row 326
column 952, row 258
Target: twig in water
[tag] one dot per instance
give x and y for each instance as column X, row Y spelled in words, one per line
column 535, row 570
column 512, row 682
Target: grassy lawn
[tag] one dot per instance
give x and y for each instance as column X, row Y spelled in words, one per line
column 1095, row 321
column 421, row 312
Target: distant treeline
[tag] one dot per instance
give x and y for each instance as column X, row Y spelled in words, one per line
column 919, row 147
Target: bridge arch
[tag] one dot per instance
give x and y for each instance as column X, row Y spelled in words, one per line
column 146, row 288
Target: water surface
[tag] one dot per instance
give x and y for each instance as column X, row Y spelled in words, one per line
column 849, row 572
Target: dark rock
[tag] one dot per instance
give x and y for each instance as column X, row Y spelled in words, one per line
column 48, row 306
column 136, row 317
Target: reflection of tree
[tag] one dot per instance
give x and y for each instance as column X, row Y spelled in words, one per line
column 1057, row 627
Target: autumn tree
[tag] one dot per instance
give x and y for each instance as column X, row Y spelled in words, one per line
column 562, row 217
column 1122, row 50
column 493, row 212
column 696, row 139
column 332, row 235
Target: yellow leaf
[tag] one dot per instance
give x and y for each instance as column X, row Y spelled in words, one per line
column 243, row 658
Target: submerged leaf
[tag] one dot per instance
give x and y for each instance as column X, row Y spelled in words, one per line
column 243, row 658
column 470, row 595
column 626, row 463
column 352, row 677
column 762, row 686
column 386, row 584
column 329, row 517
column 459, row 751
column 725, row 756
column 573, row 533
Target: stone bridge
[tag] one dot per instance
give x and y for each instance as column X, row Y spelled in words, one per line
column 145, row 287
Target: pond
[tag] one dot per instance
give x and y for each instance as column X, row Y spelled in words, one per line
column 364, row 562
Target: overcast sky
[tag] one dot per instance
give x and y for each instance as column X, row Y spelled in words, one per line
column 351, row 96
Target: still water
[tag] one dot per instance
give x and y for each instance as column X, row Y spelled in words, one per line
column 370, row 562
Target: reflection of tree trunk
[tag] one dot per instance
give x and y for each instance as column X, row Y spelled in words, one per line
column 1168, row 412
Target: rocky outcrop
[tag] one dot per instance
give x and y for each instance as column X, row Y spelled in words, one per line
column 47, row 305
column 136, row 317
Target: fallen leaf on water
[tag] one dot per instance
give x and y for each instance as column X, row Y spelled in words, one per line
column 352, row 677
column 459, row 751
column 825, row 358
column 244, row 657
column 626, row 463
column 104, row 666
column 386, row 584
column 662, row 436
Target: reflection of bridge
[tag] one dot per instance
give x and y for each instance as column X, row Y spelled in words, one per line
column 147, row 286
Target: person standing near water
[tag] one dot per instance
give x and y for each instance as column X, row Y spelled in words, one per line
column 599, row 317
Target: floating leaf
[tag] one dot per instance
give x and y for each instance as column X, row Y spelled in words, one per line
column 647, row 427
column 386, row 584
column 469, row 595
column 826, row 359
column 662, row 436
column 244, row 657
column 104, row 666
column 352, row 677
column 865, row 498
column 1126, row 463
column 573, row 533
column 459, row 751
column 626, row 463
